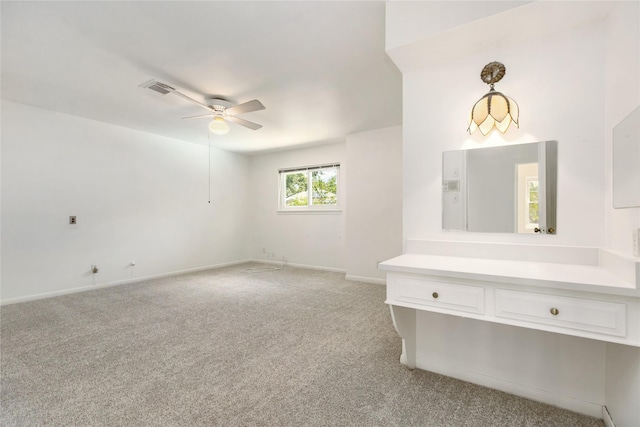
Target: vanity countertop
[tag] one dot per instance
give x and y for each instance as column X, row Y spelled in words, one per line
column 589, row 278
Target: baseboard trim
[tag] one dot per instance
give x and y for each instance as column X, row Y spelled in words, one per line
column 606, row 417
column 115, row 283
column 309, row 267
column 365, row 279
column 522, row 390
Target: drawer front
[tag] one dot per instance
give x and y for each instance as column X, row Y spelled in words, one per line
column 431, row 293
column 567, row 312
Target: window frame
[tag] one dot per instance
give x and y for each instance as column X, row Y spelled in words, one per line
column 309, row 208
column 528, row 180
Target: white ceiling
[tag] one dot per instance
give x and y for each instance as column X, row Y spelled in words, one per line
column 319, row 67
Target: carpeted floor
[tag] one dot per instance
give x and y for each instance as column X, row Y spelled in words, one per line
column 238, row 346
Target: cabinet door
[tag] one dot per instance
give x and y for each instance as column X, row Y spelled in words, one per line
column 573, row 313
column 437, row 294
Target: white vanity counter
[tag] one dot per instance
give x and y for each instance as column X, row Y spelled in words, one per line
column 584, row 292
column 474, row 311
column 575, row 277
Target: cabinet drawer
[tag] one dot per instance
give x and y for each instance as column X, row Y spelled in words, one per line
column 431, row 293
column 567, row 312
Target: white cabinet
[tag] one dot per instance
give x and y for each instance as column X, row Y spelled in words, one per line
column 514, row 293
column 569, row 313
column 435, row 294
column 605, row 317
column 583, row 300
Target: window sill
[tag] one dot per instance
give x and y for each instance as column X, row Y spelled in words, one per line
column 310, row 211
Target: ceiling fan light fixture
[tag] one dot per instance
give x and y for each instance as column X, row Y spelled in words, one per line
column 218, row 126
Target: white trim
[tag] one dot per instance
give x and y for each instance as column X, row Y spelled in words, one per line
column 268, row 261
column 606, row 417
column 366, row 279
column 528, row 392
column 308, row 168
column 310, row 267
column 506, row 251
column 159, row 276
column 318, row 267
column 115, row 283
column 311, row 211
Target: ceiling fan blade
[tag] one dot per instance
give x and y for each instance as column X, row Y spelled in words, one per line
column 159, row 86
column 246, row 107
column 199, row 116
column 182, row 95
column 243, row 122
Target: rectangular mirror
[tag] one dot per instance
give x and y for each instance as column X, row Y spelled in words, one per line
column 626, row 162
column 508, row 189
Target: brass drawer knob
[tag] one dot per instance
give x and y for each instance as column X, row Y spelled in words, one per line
column 435, row 295
column 554, row 311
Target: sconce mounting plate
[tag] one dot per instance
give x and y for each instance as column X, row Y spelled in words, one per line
column 492, row 72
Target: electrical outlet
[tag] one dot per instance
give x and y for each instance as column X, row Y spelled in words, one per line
column 72, row 219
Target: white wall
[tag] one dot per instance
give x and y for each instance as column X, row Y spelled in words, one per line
column 137, row 197
column 567, row 82
column 623, row 384
column 506, row 357
column 143, row 198
column 368, row 229
column 622, row 96
column 558, row 81
column 374, row 196
column 307, row 239
column 408, row 23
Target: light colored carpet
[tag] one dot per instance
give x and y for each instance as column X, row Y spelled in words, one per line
column 233, row 347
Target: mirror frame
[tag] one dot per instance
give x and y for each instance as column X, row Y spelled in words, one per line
column 626, row 158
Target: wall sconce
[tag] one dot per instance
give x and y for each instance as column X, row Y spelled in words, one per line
column 493, row 109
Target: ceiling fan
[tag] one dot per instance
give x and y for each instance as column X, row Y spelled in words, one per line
column 221, row 110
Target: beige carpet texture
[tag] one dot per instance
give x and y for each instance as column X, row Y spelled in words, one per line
column 247, row 345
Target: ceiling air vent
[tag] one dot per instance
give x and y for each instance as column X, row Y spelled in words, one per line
column 157, row 86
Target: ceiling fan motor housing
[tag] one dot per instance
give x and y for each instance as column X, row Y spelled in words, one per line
column 218, row 105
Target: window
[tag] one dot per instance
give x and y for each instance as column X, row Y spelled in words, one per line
column 527, row 197
column 309, row 188
column 532, row 202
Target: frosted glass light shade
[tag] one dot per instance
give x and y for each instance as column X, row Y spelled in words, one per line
column 218, row 126
column 493, row 109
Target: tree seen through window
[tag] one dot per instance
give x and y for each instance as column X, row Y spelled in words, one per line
column 315, row 187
